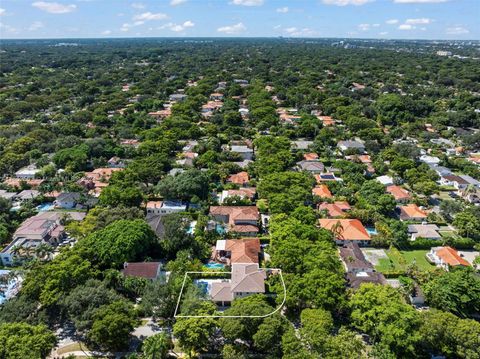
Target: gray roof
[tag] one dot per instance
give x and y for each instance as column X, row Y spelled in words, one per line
column 351, row 144
column 311, row 166
column 424, row 230
column 355, row 280
column 353, row 257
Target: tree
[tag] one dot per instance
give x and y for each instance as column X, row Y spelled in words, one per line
column 121, row 241
column 112, row 325
column 456, row 291
column 83, row 301
column 195, row 334
column 345, row 344
column 381, row 312
column 184, row 185
column 317, row 325
column 467, row 224
column 156, row 346
column 267, row 339
column 21, row 340
column 51, row 281
column 116, row 196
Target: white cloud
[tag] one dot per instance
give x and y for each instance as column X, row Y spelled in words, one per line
column 457, row 30
column 2, row 11
column 375, row 25
column 177, row 2
column 177, row 27
column 304, row 32
column 54, row 7
column 422, row 21
column 283, row 10
column 125, row 27
column 346, row 2
column 391, row 22
column 147, row 16
column 138, row 5
column 35, row 26
column 106, row 32
column 232, row 29
column 419, row 1
column 364, row 27
column 247, row 2
column 406, row 27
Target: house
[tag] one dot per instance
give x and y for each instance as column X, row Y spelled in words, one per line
column 345, row 230
column 355, row 280
column 365, row 159
column 165, row 207
column 326, row 177
column 45, row 227
column 385, row 180
column 243, row 193
column 240, row 179
column 130, row 142
column 27, row 195
column 98, row 179
column 322, row 191
column 247, row 278
column 453, row 181
column 67, row 200
column 446, row 257
column 400, row 194
column 147, row 270
column 244, row 151
column 335, row 209
column 353, row 259
column 315, row 167
column 9, row 196
column 326, row 120
column 469, row 194
column 238, row 219
column 411, row 212
column 116, row 162
column 216, row 96
column 345, row 146
column 310, row 156
column 429, row 159
column 177, row 97
column 427, row 231
column 161, row 114
column 302, row 144
column 17, row 182
column 27, row 172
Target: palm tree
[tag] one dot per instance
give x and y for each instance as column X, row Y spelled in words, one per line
column 44, row 251
column 337, row 230
column 157, row 346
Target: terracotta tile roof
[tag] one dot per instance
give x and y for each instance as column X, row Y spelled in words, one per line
column 149, row 270
column 336, row 209
column 244, row 250
column 327, row 120
column 154, row 204
column 398, row 192
column 411, row 211
column 242, row 192
column 240, row 178
column 351, row 229
column 451, row 257
column 16, row 182
column 322, row 191
column 310, row 156
column 244, row 228
column 239, row 218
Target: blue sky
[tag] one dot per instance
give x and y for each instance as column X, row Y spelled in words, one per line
column 406, row 19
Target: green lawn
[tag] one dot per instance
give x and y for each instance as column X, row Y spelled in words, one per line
column 399, row 260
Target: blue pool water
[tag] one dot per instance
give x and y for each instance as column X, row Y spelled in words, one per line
column 214, row 265
column 220, row 229
column 45, row 207
column 371, row 231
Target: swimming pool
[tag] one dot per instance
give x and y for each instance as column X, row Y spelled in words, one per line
column 213, row 265
column 220, row 229
column 45, row 207
column 371, row 231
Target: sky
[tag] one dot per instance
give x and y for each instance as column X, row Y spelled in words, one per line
column 390, row 19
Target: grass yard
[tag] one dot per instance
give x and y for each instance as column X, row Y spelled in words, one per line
column 400, row 260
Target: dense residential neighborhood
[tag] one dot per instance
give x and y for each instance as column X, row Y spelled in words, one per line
column 240, row 198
